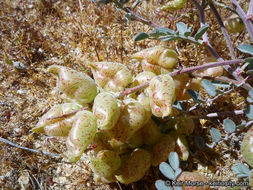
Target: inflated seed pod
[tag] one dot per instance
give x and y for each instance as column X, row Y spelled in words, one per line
column 157, row 59
column 251, row 178
column 81, row 134
column 100, row 179
column 136, row 140
column 194, row 177
column 184, row 125
column 162, row 95
column 135, row 166
column 181, row 145
column 111, row 76
column 133, row 117
column 142, row 78
column 119, row 146
column 151, row 133
column 247, row 147
column 59, row 126
column 234, row 24
column 162, row 149
column 105, row 163
column 143, row 99
column 181, row 82
column 174, row 5
column 77, row 86
column 106, row 109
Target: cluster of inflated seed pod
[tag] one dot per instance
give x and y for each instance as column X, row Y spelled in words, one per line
column 128, row 141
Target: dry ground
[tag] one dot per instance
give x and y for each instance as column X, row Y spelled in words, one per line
column 37, row 34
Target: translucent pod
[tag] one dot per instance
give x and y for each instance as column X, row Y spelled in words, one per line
column 181, row 81
column 135, row 166
column 57, row 126
column 247, row 147
column 211, row 72
column 251, row 178
column 100, row 179
column 133, row 117
column 162, row 95
column 234, row 24
column 157, row 59
column 111, row 76
column 162, row 149
column 151, row 133
column 119, row 146
column 174, row 5
column 184, row 125
column 105, row 163
column 106, row 109
column 194, row 177
column 142, row 78
column 77, row 86
column 143, row 99
column 81, row 134
column 101, row 140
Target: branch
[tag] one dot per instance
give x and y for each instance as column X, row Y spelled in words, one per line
column 241, row 13
column 28, row 149
column 186, row 70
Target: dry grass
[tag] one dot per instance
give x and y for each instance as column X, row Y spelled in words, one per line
column 37, row 34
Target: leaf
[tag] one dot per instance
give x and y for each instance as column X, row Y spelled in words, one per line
column 141, row 36
column 241, row 170
column 157, row 32
column 250, row 98
column 167, row 171
column 161, row 185
column 209, row 87
column 249, row 112
column 178, row 172
column 201, row 31
column 194, row 95
column 178, row 188
column 251, row 93
column 182, row 29
column 218, row 83
column 178, row 105
column 174, row 160
column 200, row 142
column 249, row 72
column 216, row 135
column 128, row 16
column 249, row 59
column 229, row 125
column 246, row 48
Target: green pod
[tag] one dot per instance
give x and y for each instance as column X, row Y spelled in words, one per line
column 234, row 24
column 247, row 147
column 100, row 179
column 181, row 145
column 162, row 95
column 151, row 133
column 111, row 76
column 81, row 134
column 77, row 86
column 135, row 166
column 105, row 163
column 57, row 126
column 184, row 125
column 142, row 78
column 174, row 5
column 158, row 59
column 106, row 109
column 251, row 178
column 136, row 140
column 162, row 149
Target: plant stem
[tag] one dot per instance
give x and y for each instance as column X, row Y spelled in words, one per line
column 68, row 114
column 241, row 13
column 28, row 149
column 223, row 29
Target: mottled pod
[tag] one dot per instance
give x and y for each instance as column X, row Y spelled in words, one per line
column 77, row 86
column 106, row 109
column 162, row 95
column 174, row 5
column 247, row 147
column 81, row 134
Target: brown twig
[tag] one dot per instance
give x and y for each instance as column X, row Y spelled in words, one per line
column 29, row 149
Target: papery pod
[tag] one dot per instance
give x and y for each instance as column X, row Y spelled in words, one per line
column 135, row 166
column 133, row 117
column 105, row 163
column 193, row 177
column 142, row 78
column 136, row 140
column 174, row 5
column 157, row 58
column 162, row 149
column 100, row 179
column 111, row 76
column 162, row 95
column 60, row 126
column 213, row 71
column 77, row 86
column 106, row 109
column 247, row 147
column 184, row 125
column 143, row 99
column 119, row 146
column 81, row 134
column 234, row 24
column 151, row 133
column 181, row 81
column 101, row 140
